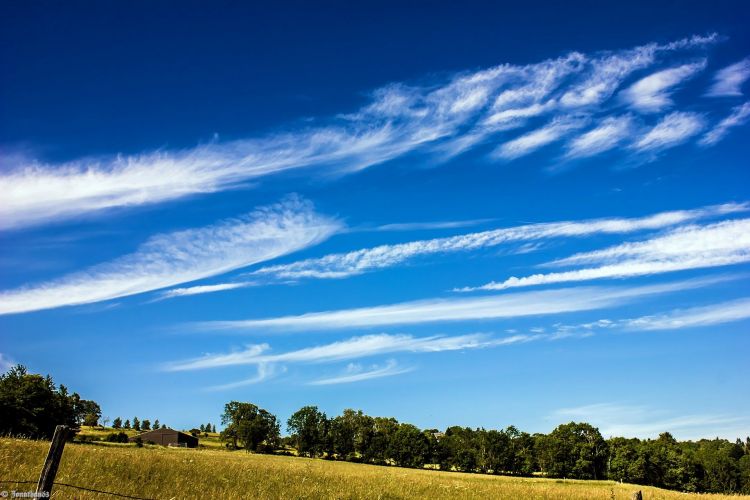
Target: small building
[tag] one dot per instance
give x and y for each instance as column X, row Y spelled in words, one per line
column 167, row 437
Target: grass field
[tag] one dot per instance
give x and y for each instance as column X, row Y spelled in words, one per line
column 169, row 473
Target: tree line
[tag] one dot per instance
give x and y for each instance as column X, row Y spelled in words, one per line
column 574, row 450
column 32, row 405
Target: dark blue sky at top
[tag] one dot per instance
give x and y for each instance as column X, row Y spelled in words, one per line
column 104, row 77
column 96, row 79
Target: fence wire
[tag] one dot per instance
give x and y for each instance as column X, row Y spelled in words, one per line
column 112, row 493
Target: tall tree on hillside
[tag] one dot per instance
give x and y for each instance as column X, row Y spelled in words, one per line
column 408, row 446
column 743, row 464
column 91, row 420
column 522, row 457
column 342, row 432
column 117, row 423
column 126, row 425
column 248, row 426
column 720, row 461
column 136, row 424
column 85, row 410
column 146, row 424
column 495, row 451
column 364, row 433
column 459, row 449
column 156, row 424
column 574, row 450
column 31, row 405
column 308, row 426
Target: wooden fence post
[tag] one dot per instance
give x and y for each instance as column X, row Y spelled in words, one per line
column 47, row 478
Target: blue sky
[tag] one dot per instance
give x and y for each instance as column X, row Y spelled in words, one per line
column 449, row 214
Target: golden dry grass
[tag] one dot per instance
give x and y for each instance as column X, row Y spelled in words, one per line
column 164, row 473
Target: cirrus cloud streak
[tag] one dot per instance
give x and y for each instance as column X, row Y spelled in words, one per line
column 170, row 259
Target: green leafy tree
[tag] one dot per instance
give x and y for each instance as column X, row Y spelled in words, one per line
column 627, row 461
column 669, row 465
column 136, row 424
column 91, row 420
column 342, row 431
column 494, row 451
column 156, row 424
column 743, row 466
column 459, row 450
column 246, row 425
column 308, row 426
column 521, row 459
column 720, row 460
column 146, row 424
column 126, row 425
column 574, row 450
column 84, row 409
column 31, row 405
column 408, row 446
column 117, row 423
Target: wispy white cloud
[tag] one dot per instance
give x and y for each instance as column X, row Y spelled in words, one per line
column 201, row 289
column 691, row 247
column 516, row 305
column 652, row 94
column 341, row 265
column 420, row 226
column 677, row 319
column 536, row 139
column 728, row 81
column 355, row 373
column 356, row 347
column 444, row 117
column 617, row 419
column 265, row 372
column 353, row 348
column 672, row 130
column 605, row 136
column 180, row 257
column 609, row 70
column 379, row 344
column 739, row 116
column 714, row 314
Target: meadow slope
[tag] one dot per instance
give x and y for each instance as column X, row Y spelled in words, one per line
column 163, row 473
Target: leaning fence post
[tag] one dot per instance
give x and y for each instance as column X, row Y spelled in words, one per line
column 47, row 478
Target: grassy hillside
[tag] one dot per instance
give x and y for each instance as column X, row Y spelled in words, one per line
column 156, row 472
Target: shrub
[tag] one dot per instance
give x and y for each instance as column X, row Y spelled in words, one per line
column 116, row 437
